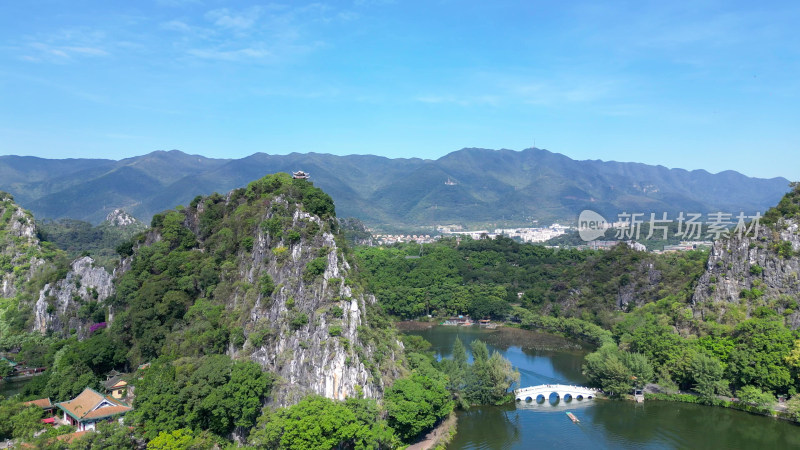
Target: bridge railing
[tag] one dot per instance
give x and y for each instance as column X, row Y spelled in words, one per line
column 554, row 387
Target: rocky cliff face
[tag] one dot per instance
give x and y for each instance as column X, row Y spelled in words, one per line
column 74, row 302
column 120, row 218
column 286, row 286
column 20, row 252
column 269, row 257
column 312, row 323
column 745, row 273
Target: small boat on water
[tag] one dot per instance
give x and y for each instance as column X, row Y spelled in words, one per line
column 572, row 417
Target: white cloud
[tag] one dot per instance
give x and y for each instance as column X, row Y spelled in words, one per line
column 65, row 45
column 242, row 20
column 176, row 25
column 495, row 89
column 60, row 53
column 270, row 33
column 176, row 3
column 373, row 2
column 461, row 100
column 243, row 54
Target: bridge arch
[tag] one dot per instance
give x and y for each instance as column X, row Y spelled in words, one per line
column 562, row 392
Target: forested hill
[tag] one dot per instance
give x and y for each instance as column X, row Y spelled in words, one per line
column 261, row 274
column 483, row 186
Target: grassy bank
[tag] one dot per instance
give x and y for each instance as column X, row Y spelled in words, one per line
column 752, row 409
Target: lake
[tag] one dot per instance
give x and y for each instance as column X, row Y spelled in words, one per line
column 542, row 358
column 14, row 387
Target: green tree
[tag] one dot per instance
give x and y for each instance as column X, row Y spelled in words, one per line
column 456, row 370
column 640, row 368
column 793, row 361
column 758, row 359
column 6, row 368
column 8, row 409
column 103, row 352
column 793, row 407
column 210, row 393
column 414, row 404
column 107, row 435
column 708, row 376
column 238, row 402
column 267, row 285
column 70, row 374
column 755, row 396
column 489, row 377
column 183, row 439
column 606, row 369
column 320, row 423
column 26, row 422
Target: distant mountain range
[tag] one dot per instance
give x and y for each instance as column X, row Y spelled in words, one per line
column 472, row 186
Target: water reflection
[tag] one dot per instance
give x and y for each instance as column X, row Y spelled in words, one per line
column 553, row 403
column 500, row 427
column 11, row 388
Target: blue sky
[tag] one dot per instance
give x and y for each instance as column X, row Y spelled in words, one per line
column 697, row 84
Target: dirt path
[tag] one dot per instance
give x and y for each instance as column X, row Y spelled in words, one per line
column 437, row 435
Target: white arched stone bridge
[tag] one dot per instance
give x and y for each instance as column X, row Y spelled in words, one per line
column 563, row 392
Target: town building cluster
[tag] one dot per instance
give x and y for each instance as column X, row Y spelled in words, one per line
column 537, row 234
column 387, row 239
column 534, row 234
column 685, row 246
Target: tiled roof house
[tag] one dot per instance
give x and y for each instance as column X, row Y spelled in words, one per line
column 116, row 386
column 43, row 403
column 90, row 407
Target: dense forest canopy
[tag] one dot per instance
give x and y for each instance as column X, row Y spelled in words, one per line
column 485, row 277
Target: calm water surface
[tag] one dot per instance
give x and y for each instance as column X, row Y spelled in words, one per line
column 603, row 423
column 10, row 388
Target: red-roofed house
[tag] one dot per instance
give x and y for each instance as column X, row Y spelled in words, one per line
column 90, row 407
column 43, row 403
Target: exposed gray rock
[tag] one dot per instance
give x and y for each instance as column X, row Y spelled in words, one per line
column 745, row 272
column 58, row 304
column 20, row 250
column 120, row 218
column 326, row 355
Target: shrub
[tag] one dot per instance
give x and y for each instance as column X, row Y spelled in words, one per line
column 247, row 243
column 274, row 226
column 280, row 252
column 237, row 337
column 315, row 268
column 266, row 284
column 299, row 321
column 258, row 337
